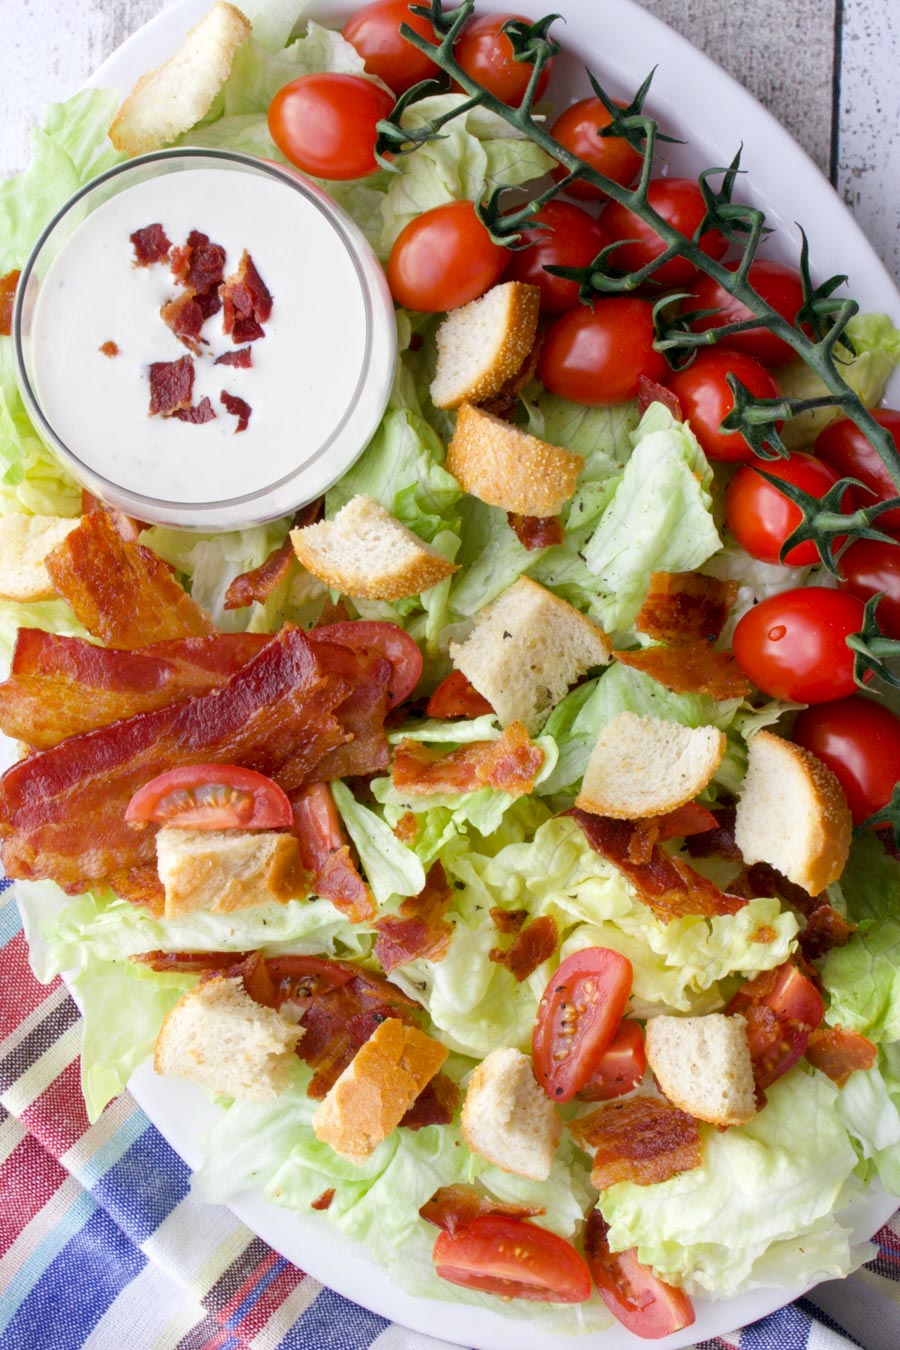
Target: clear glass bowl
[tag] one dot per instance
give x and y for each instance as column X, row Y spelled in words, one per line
column 325, row 414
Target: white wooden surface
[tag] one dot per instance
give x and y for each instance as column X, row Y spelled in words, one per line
column 828, row 69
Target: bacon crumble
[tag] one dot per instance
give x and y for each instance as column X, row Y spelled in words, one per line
column 197, row 414
column 109, row 349
column 838, row 1052
column 690, row 668
column 246, row 301
column 324, row 1200
column 171, row 386
column 241, row 359
column 238, row 407
column 455, row 1207
column 150, row 245
column 681, row 607
column 508, row 920
column 8, row 284
column 419, row 930
column 534, row 945
column 640, row 1139
column 535, row 532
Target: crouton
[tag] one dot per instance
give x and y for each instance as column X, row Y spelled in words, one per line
column 526, row 648
column 377, row 1088
column 483, row 344
column 365, row 552
column 703, row 1066
column 217, row 1036
column 169, row 100
column 502, row 465
column 793, row 814
column 508, row 1118
column 220, row 871
column 643, row 766
column 25, row 542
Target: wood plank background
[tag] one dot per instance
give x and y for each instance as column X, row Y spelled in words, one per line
column 828, row 69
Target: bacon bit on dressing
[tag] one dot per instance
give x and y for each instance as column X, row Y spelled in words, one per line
column 435, row 1105
column 508, row 920
column 184, row 317
column 509, row 764
column 238, row 407
column 455, row 1207
column 639, row 1139
column 690, row 668
column 8, row 284
column 534, row 945
column 825, row 929
column 247, row 302
column 324, row 1200
column 536, row 531
column 197, row 414
column 651, row 392
column 150, row 245
column 681, row 607
column 171, row 386
column 838, row 1053
column 200, row 266
column 109, row 348
column 242, row 359
column 419, row 930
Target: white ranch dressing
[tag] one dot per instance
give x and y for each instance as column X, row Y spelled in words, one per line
column 306, row 371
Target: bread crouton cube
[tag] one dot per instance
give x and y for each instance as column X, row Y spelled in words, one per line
column 507, row 1117
column 220, row 871
column 484, row 344
column 703, row 1066
column 644, row 766
column 504, row 466
column 25, row 542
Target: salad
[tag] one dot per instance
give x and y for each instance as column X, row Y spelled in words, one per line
column 499, row 861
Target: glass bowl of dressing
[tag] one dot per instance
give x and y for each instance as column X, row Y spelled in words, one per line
column 94, row 354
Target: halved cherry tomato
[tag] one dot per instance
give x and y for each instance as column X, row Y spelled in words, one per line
column 859, row 740
column 374, row 31
column 761, row 518
column 597, row 355
column 578, row 1017
column 680, row 203
column 456, row 697
column 781, row 1007
column 578, row 130
column 872, row 567
column 706, row 399
column 443, row 259
column 622, row 1067
column 486, row 55
column 211, row 797
column 572, row 239
column 514, row 1259
column 325, row 124
column 643, row 1303
column 794, row 645
column 388, row 640
column 778, row 285
column 842, row 445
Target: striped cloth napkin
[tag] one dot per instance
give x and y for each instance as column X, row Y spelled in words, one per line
column 102, row 1246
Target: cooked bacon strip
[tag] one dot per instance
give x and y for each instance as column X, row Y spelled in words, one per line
column 171, row 386
column 150, row 245
column 420, row 929
column 665, row 884
column 238, row 407
column 683, row 821
column 838, row 1053
column 242, row 359
column 127, row 526
column 651, row 392
column 62, row 686
column 62, row 810
column 509, row 764
column 454, row 1207
column 365, row 750
column 198, row 414
column 825, row 929
column 535, row 944
column 761, row 879
column 692, row 668
column 682, row 607
column 325, row 853
column 247, row 302
column 508, row 920
column 185, row 318
column 109, row 348
column 536, row 531
column 8, row 284
column 641, row 1139
column 435, row 1105
column 121, row 591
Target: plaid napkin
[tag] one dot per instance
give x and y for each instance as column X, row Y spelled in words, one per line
column 102, row 1245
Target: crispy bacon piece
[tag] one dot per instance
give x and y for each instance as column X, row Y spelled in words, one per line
column 407, row 827
column 325, row 854
column 665, row 884
column 324, row 1200
column 435, row 1105
column 641, row 1139
column 200, row 266
column 761, row 879
column 62, row 686
column 150, row 245
column 365, row 750
column 508, row 920
column 171, row 386
column 121, row 591
column 509, row 764
column 62, row 810
column 534, row 945
column 651, row 392
column 454, row 1207
column 197, row 414
column 536, row 531
column 242, row 359
column 683, row 821
column 109, row 348
column 127, row 526
column 838, row 1053
column 420, row 929
column 8, row 284
column 259, row 584
column 238, row 407
column 681, row 607
column 825, row 928
column 246, row 301
column 691, row 668
column 184, row 317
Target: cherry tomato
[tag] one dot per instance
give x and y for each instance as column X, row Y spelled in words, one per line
column 444, row 258
column 211, row 797
column 388, row 640
column 706, row 399
column 859, row 740
column 622, row 1066
column 374, row 31
column 598, row 355
column 872, row 567
column 778, row 285
column 680, row 203
column 761, row 518
column 514, row 1259
column 573, row 239
column 578, row 1017
column 644, row 1304
column 842, row 445
column 578, row 131
column 486, row 55
column 456, row 697
column 781, row 1007
column 325, row 124
column 794, row 645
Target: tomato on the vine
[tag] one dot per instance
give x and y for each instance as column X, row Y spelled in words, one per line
column 706, row 399
column 514, row 1259
column 872, row 567
column 642, row 1302
column 578, row 131
column 680, row 203
column 211, row 797
column 794, row 645
column 444, row 258
column 577, row 1019
column 597, row 355
column 780, row 287
column 859, row 740
column 761, row 518
column 572, row 239
column 325, row 124
column 486, row 55
column 842, row 445
column 374, row 31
